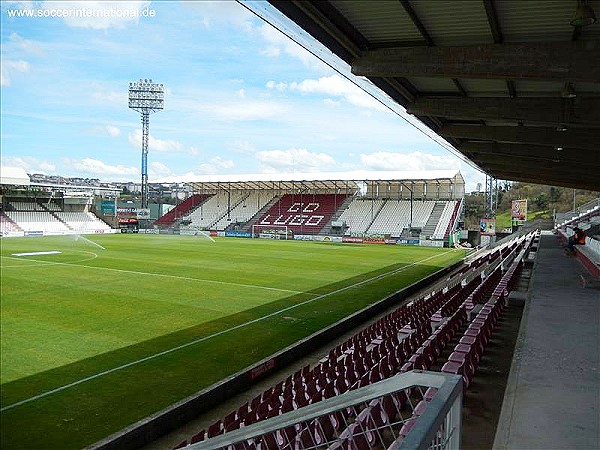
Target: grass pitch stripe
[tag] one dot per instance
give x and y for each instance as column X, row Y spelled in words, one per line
column 219, row 333
column 135, row 272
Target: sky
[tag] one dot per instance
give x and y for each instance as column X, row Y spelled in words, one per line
column 240, row 96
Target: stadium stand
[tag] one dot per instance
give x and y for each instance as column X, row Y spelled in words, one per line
column 250, row 204
column 215, row 208
column 31, row 216
column 306, row 214
column 395, row 216
column 181, row 210
column 411, row 337
column 36, row 221
column 580, row 216
column 82, row 221
column 26, row 206
column 7, row 225
column 444, row 224
column 586, row 218
column 359, row 215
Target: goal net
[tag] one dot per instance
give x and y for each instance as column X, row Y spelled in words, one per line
column 272, row 232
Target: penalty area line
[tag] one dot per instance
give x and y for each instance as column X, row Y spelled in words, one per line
column 205, row 338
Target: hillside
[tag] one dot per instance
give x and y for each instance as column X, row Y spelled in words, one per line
column 542, row 202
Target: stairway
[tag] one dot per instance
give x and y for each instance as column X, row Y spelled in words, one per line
column 248, row 225
column 434, row 218
column 327, row 229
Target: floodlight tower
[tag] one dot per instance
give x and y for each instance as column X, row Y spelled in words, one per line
column 146, row 97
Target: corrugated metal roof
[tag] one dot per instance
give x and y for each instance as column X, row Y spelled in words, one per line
column 441, row 17
column 356, row 175
column 386, row 22
column 522, row 53
column 527, row 21
column 14, row 175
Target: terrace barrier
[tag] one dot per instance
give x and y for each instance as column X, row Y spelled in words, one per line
column 412, row 410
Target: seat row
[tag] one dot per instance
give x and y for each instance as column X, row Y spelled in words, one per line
column 465, row 358
column 407, row 338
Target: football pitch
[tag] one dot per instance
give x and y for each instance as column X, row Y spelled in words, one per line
column 101, row 331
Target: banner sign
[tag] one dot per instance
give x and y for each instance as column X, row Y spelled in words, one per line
column 138, row 213
column 238, row 233
column 108, row 207
column 374, row 239
column 34, row 233
column 427, row 243
column 518, row 211
column 487, row 227
column 408, row 241
column 352, row 239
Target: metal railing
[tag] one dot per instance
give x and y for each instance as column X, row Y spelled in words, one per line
column 412, row 410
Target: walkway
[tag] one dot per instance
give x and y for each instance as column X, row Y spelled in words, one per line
column 552, row 400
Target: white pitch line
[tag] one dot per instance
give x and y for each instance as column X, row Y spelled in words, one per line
column 44, row 263
column 177, row 277
column 205, row 338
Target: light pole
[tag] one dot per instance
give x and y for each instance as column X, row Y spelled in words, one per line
column 146, row 97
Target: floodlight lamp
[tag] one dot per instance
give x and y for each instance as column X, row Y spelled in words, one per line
column 558, row 148
column 561, row 128
column 584, row 15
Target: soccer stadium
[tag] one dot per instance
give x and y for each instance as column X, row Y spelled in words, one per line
column 331, row 310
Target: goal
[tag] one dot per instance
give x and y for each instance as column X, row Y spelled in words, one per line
column 272, row 232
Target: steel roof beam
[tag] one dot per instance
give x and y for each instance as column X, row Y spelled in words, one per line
column 584, row 112
column 532, row 159
column 583, row 138
column 547, row 178
column 560, row 61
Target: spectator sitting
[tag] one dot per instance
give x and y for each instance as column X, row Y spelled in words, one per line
column 577, row 238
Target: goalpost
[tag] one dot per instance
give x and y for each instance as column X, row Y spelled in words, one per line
column 272, row 232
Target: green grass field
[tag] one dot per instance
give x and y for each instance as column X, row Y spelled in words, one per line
column 117, row 327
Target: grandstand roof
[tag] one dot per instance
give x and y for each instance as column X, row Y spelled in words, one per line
column 513, row 86
column 14, row 176
column 327, row 180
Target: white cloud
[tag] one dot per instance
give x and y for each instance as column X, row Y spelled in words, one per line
column 216, row 165
column 243, row 147
column 27, row 45
column 278, row 86
column 333, row 85
column 97, row 167
column 407, row 161
column 30, row 164
column 279, row 43
column 106, row 130
column 10, row 68
column 294, row 160
column 218, row 12
column 157, row 169
column 98, row 15
column 247, row 110
column 113, row 131
column 271, row 51
column 154, row 144
column 194, row 151
column 111, row 97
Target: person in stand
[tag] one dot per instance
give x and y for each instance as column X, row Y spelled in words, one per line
column 577, row 238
